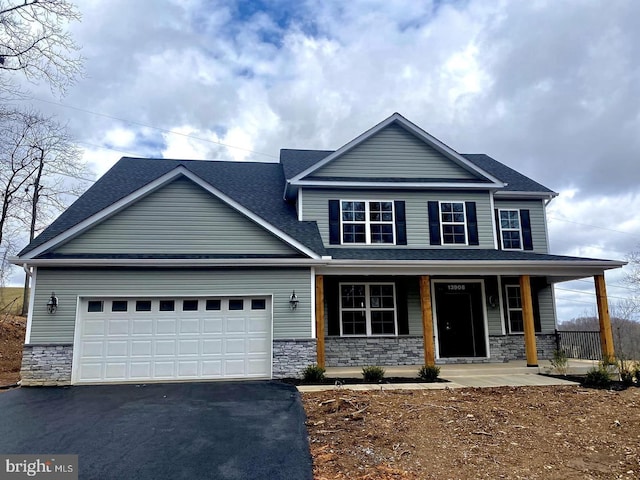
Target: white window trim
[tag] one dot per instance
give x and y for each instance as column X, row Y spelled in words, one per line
column 368, row 309
column 442, row 224
column 367, row 222
column 519, row 229
column 509, row 309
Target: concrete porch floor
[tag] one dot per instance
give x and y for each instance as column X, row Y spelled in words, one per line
column 512, row 374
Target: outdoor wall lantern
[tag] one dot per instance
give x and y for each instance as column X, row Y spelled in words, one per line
column 293, row 301
column 52, row 304
column 493, row 301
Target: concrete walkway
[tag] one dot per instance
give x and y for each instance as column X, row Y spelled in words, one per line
column 512, row 374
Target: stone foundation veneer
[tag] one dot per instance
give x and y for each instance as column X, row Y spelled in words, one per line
column 511, row 347
column 381, row 351
column 290, row 357
column 46, row 365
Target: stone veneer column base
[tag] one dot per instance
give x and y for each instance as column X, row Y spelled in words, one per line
column 511, row 347
column 46, row 365
column 291, row 356
column 380, row 351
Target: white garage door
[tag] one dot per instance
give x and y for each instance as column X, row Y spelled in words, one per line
column 156, row 339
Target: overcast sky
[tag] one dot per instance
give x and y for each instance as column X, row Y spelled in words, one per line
column 550, row 88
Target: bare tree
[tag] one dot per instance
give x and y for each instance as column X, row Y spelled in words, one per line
column 34, row 41
column 40, row 170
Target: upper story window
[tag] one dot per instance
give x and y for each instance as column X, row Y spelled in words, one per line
column 514, row 229
column 510, row 231
column 453, row 223
column 367, row 222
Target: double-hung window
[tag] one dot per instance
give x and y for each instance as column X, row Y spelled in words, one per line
column 510, row 229
column 514, row 309
column 453, row 223
column 367, row 309
column 366, row 222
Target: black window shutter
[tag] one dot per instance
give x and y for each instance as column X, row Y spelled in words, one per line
column 525, row 223
column 401, row 223
column 332, row 296
column 472, row 223
column 401, row 306
column 334, row 222
column 498, row 229
column 434, row 223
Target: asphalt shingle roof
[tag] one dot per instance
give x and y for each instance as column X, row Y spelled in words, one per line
column 256, row 186
column 297, row 161
column 445, row 254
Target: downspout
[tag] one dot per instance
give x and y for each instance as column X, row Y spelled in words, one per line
column 25, row 292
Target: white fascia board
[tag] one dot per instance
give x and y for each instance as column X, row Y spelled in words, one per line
column 511, row 194
column 150, row 187
column 407, row 125
column 400, row 185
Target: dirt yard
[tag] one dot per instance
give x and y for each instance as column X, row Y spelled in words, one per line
column 567, row 433
column 12, row 329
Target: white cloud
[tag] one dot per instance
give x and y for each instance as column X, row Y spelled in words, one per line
column 548, row 88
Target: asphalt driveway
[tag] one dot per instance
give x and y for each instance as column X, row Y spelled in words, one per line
column 217, row 430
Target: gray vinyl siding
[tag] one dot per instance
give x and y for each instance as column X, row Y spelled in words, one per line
column 70, row 284
column 179, row 218
column 536, row 213
column 547, row 312
column 414, row 308
column 393, row 153
column 494, row 315
column 316, row 207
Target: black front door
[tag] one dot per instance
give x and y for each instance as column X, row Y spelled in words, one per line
column 460, row 320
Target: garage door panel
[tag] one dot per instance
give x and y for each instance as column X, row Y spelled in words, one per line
column 166, row 326
column 93, row 349
column 94, row 327
column 191, row 325
column 143, row 348
column 230, row 340
column 164, row 369
column 165, row 347
column 117, row 348
column 142, row 326
column 140, row 370
column 212, row 325
column 189, row 347
column 212, row 368
column 118, row 326
column 116, row 371
column 212, row 347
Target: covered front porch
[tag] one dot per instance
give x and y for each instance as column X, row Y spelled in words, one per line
column 394, row 320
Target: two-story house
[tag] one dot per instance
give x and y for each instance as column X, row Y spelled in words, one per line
column 392, row 250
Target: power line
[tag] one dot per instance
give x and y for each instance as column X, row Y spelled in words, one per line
column 593, row 226
column 590, row 293
column 164, row 130
column 614, row 285
column 565, row 299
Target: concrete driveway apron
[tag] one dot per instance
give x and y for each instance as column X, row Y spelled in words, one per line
column 217, row 430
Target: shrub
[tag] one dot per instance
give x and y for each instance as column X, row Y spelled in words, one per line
column 313, row 373
column 626, row 377
column 429, row 373
column 637, row 373
column 560, row 362
column 372, row 374
column 597, row 377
